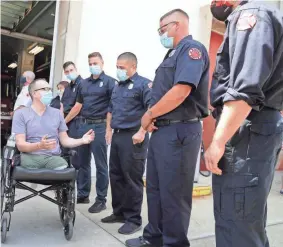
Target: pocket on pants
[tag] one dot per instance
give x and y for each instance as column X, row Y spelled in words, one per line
column 240, row 200
column 140, row 151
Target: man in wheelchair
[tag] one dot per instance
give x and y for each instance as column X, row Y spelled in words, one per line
column 40, row 129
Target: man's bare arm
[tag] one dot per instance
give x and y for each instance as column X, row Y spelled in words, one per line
column 171, row 100
column 74, row 112
column 233, row 115
column 108, row 121
column 69, row 142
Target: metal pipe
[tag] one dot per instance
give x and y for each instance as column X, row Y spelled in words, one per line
column 55, row 40
column 25, row 37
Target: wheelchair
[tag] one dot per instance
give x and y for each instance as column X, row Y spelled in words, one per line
column 62, row 182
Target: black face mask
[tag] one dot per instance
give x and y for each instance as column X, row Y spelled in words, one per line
column 221, row 12
column 23, row 80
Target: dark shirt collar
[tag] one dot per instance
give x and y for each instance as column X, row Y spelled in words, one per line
column 184, row 40
column 131, row 79
column 100, row 78
column 78, row 79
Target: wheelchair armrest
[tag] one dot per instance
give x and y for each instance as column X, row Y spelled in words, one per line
column 10, row 152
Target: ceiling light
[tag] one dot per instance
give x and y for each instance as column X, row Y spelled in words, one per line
column 12, row 66
column 36, row 50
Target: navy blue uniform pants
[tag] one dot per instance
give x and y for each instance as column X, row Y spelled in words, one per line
column 240, row 194
column 127, row 165
column 171, row 163
column 73, row 133
column 99, row 150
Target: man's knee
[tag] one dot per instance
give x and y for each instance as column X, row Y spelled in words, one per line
column 57, row 163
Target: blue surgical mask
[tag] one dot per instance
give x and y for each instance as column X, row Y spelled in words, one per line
column 122, row 75
column 95, row 69
column 46, row 97
column 167, row 42
column 72, row 76
column 23, row 80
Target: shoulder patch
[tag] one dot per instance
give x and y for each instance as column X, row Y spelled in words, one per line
column 246, row 21
column 116, row 82
column 195, row 53
column 149, row 84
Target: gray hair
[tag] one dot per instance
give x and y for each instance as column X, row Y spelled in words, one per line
column 128, row 56
column 29, row 75
column 179, row 11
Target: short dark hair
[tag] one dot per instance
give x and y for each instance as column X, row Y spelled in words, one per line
column 63, row 83
column 182, row 12
column 95, row 54
column 128, row 56
column 66, row 64
column 32, row 85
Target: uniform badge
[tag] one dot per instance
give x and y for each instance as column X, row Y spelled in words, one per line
column 149, row 85
column 101, row 84
column 131, row 86
column 172, row 53
column 246, row 21
column 195, row 53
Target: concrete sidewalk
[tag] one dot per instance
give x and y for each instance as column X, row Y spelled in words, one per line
column 35, row 223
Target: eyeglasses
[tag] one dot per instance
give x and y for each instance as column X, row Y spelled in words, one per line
column 161, row 29
column 44, row 89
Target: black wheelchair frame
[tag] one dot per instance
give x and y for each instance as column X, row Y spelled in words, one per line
column 65, row 193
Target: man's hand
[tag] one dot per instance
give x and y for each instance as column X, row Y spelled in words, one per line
column 88, row 137
column 212, row 156
column 108, row 136
column 47, row 144
column 147, row 122
column 138, row 137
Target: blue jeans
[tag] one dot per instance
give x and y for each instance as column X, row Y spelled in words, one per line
column 99, row 149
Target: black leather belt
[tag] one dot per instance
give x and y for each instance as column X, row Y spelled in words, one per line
column 94, row 121
column 125, row 130
column 165, row 122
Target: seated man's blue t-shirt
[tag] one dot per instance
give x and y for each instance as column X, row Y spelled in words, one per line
column 27, row 121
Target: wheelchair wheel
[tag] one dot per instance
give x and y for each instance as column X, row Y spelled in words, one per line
column 68, row 230
column 4, row 227
column 3, row 181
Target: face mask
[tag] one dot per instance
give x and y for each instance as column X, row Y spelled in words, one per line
column 95, row 70
column 221, row 10
column 60, row 92
column 23, row 80
column 72, row 76
column 122, row 75
column 167, row 42
column 46, row 97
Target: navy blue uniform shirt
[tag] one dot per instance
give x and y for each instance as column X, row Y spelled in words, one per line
column 249, row 62
column 187, row 64
column 95, row 95
column 130, row 100
column 70, row 95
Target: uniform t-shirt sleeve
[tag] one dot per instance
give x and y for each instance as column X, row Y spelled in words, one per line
column 252, row 58
column 80, row 98
column 18, row 124
column 62, row 124
column 146, row 95
column 111, row 86
column 190, row 65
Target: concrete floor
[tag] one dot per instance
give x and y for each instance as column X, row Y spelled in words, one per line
column 35, row 223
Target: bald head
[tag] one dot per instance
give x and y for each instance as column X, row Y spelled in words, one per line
column 29, row 75
column 176, row 24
